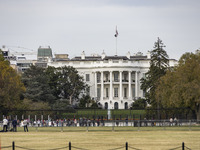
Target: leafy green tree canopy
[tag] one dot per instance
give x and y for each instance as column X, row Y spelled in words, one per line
column 37, row 86
column 139, row 104
column 66, row 82
column 87, row 102
column 53, row 85
column 181, row 87
column 11, row 87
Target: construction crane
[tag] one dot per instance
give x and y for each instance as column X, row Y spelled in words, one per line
column 11, row 50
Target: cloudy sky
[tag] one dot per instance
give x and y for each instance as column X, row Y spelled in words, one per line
column 73, row 26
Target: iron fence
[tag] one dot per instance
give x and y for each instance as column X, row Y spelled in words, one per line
column 70, row 146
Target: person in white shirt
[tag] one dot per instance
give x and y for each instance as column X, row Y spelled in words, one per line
column 5, row 124
column 38, row 123
column 25, row 123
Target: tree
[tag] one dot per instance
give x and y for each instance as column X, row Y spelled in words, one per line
column 53, row 85
column 31, row 105
column 139, row 104
column 69, row 84
column 87, row 102
column 37, row 86
column 53, row 76
column 181, row 88
column 61, row 104
column 158, row 66
column 11, row 87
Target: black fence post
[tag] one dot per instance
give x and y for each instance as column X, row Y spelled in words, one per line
column 69, row 145
column 183, row 146
column 13, row 145
column 126, row 145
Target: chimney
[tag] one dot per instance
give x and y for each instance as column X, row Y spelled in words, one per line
column 128, row 55
column 149, row 55
column 83, row 55
column 103, row 55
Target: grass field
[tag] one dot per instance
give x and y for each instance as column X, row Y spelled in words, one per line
column 103, row 138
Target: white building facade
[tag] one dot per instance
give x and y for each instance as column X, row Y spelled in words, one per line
column 114, row 81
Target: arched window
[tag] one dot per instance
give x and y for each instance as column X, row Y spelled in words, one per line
column 106, row 105
column 116, row 105
column 126, row 105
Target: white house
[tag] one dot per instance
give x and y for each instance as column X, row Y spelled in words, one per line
column 114, row 81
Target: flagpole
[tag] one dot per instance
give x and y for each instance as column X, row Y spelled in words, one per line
column 116, row 35
column 116, row 45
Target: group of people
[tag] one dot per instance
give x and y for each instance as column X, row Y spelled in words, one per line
column 13, row 126
column 68, row 122
column 173, row 121
column 87, row 122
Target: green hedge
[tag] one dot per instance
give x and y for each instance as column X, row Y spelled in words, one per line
column 120, row 113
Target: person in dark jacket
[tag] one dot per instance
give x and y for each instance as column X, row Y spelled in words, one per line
column 14, row 124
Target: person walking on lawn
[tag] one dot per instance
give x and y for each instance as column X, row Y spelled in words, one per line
column 5, row 124
column 25, row 123
column 14, row 123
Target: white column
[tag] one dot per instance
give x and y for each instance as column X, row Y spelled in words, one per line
column 129, row 86
column 139, row 84
column 95, row 84
column 136, row 84
column 111, row 87
column 120, row 85
column 102, row 85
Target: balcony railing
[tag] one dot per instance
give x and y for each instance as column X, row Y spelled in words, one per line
column 124, row 80
column 116, row 80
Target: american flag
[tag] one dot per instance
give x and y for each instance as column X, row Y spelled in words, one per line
column 116, row 34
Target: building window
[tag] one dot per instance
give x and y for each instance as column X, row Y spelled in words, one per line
column 116, row 105
column 116, row 77
column 125, row 77
column 144, row 93
column 133, row 92
column 107, row 93
column 133, row 77
column 98, row 93
column 107, row 78
column 144, row 75
column 125, row 92
column 126, row 105
column 88, row 91
column 106, row 105
column 116, row 92
column 87, row 77
column 98, row 77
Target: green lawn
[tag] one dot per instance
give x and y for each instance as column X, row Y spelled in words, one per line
column 103, row 138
